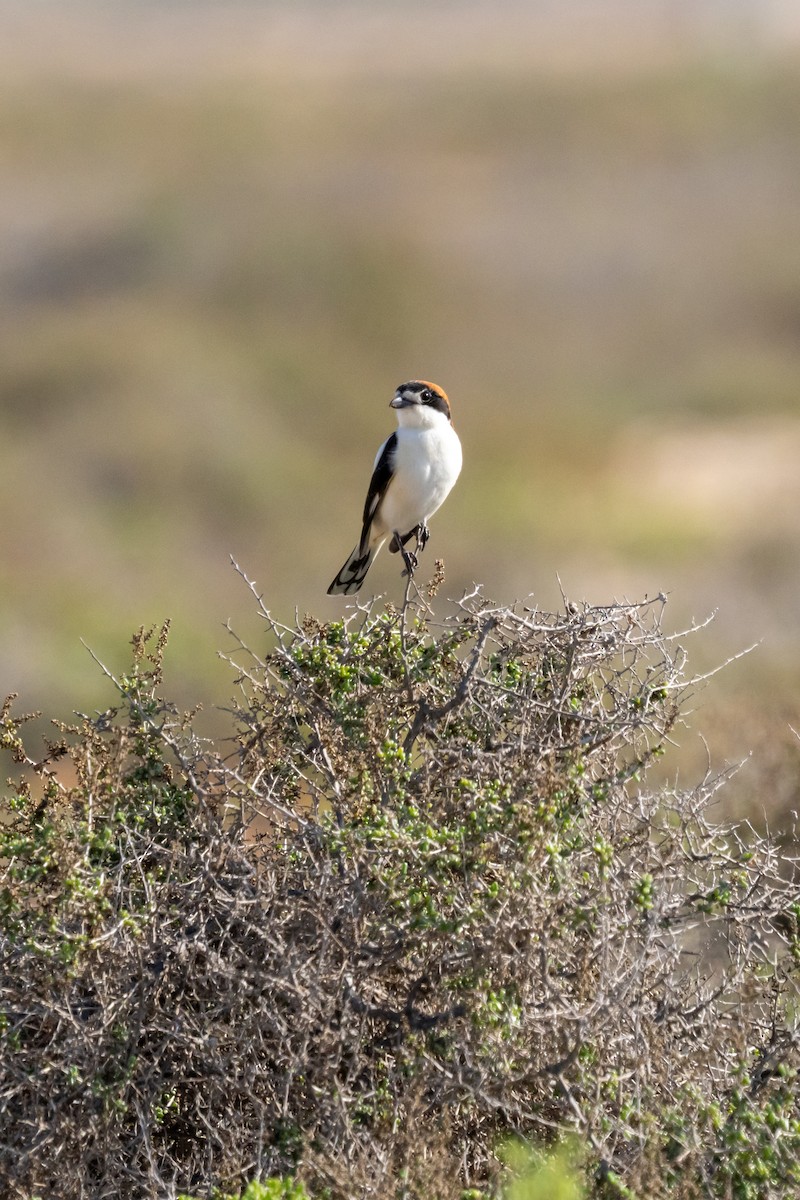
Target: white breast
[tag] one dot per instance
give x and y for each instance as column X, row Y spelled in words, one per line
column 427, row 464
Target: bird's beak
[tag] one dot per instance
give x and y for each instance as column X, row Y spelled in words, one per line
column 401, row 402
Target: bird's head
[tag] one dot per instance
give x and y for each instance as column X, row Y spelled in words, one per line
column 420, row 403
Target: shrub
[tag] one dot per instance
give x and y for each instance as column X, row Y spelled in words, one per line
column 422, row 900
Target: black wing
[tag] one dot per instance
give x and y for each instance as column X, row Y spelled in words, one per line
column 381, row 478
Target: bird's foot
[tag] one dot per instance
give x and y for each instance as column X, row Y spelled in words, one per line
column 423, row 533
column 410, row 560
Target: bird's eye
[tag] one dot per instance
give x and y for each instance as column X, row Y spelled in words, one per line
column 427, row 395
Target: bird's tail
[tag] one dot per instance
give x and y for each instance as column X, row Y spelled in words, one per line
column 354, row 572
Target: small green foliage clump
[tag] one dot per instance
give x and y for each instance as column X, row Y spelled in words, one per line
column 543, row 1175
column 421, row 902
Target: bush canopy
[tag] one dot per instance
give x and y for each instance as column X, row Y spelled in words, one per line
column 423, row 905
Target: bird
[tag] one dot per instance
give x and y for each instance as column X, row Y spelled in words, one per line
column 413, row 473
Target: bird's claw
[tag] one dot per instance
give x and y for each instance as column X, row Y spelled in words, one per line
column 410, row 559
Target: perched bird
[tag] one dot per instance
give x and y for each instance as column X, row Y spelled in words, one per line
column 414, row 470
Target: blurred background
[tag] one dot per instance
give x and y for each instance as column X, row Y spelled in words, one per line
column 231, row 229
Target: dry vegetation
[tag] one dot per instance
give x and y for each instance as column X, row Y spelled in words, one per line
column 424, row 899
